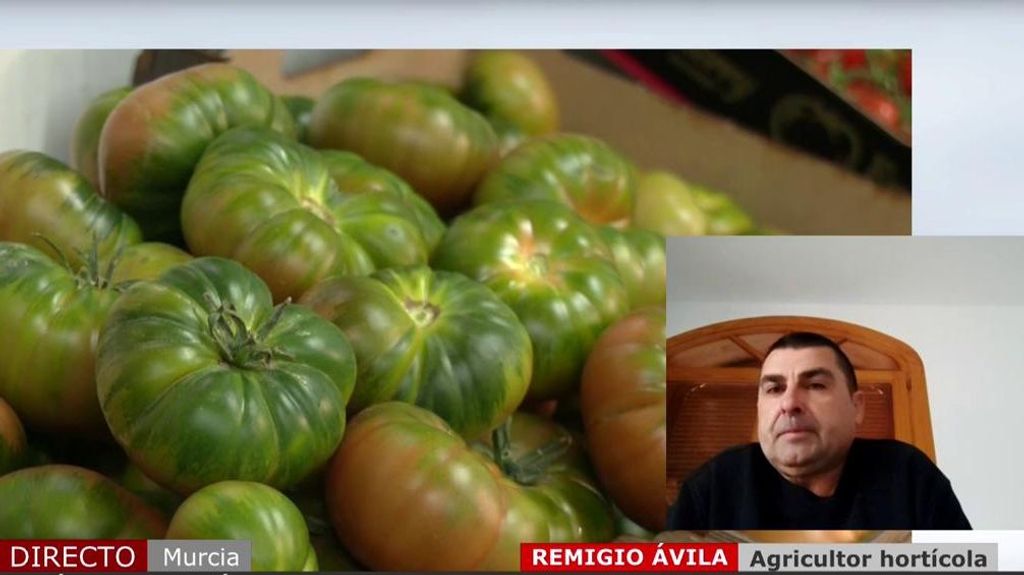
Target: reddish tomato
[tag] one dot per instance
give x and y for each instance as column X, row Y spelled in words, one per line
column 852, row 59
column 822, row 61
column 622, row 398
column 875, row 103
column 848, row 58
column 905, row 74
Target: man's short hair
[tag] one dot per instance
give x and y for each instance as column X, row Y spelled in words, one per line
column 805, row 339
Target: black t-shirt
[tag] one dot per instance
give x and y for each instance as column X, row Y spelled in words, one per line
column 885, row 484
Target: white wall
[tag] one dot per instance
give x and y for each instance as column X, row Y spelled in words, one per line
column 42, row 92
column 973, row 353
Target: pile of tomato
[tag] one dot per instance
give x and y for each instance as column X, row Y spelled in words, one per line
column 399, row 327
column 878, row 82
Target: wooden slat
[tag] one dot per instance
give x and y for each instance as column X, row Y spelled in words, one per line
column 863, row 357
column 709, row 419
column 903, row 428
column 761, row 341
column 878, row 413
column 721, row 352
column 753, row 351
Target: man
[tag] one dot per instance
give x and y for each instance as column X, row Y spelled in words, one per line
column 808, row 471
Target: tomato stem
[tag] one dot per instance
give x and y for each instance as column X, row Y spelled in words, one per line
column 531, row 467
column 90, row 272
column 502, row 446
column 63, row 257
column 239, row 345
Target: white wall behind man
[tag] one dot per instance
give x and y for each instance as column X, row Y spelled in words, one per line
column 954, row 300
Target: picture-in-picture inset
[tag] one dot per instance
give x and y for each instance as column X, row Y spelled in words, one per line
column 848, row 384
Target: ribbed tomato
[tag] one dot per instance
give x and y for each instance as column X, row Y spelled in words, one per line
column 354, row 175
column 46, row 204
column 433, row 338
column 422, row 133
column 85, row 142
column 67, row 502
column 579, row 171
column 51, row 318
column 201, row 379
column 553, row 269
column 52, row 312
column 153, row 139
column 406, row 493
column 271, row 204
column 623, row 404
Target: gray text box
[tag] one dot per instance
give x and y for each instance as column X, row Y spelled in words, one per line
column 869, row 557
column 187, row 555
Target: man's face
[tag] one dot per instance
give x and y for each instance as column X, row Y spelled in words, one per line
column 806, row 415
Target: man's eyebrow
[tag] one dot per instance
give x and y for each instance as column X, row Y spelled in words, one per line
column 772, row 378
column 816, row 372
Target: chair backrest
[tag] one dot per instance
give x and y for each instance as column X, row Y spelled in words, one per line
column 712, row 375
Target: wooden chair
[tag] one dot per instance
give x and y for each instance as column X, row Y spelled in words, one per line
column 712, row 376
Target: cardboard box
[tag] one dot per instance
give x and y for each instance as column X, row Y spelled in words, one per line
column 771, row 93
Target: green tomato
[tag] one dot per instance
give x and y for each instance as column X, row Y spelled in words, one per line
column 725, row 217
column 202, row 380
column 271, row 204
column 301, row 108
column 67, row 502
column 436, row 339
column 579, row 171
column 441, row 147
column 13, row 445
column 451, row 506
column 667, row 205
column 247, row 511
column 147, row 261
column 639, row 257
column 48, row 205
column 51, row 319
column 153, row 139
column 85, row 142
column 553, row 269
column 354, row 175
column 512, row 91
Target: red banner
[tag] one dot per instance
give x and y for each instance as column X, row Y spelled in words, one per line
column 629, row 557
column 72, row 556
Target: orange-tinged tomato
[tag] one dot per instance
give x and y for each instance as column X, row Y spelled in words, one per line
column 623, row 404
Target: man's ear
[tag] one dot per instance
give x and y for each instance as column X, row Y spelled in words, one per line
column 858, row 404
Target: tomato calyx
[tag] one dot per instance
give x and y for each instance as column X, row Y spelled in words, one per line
column 238, row 344
column 531, row 467
column 91, row 273
column 423, row 313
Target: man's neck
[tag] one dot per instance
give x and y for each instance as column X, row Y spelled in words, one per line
column 822, row 484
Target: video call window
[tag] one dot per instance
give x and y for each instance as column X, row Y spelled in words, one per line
column 718, row 381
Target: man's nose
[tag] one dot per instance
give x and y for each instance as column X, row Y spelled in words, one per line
column 792, row 400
